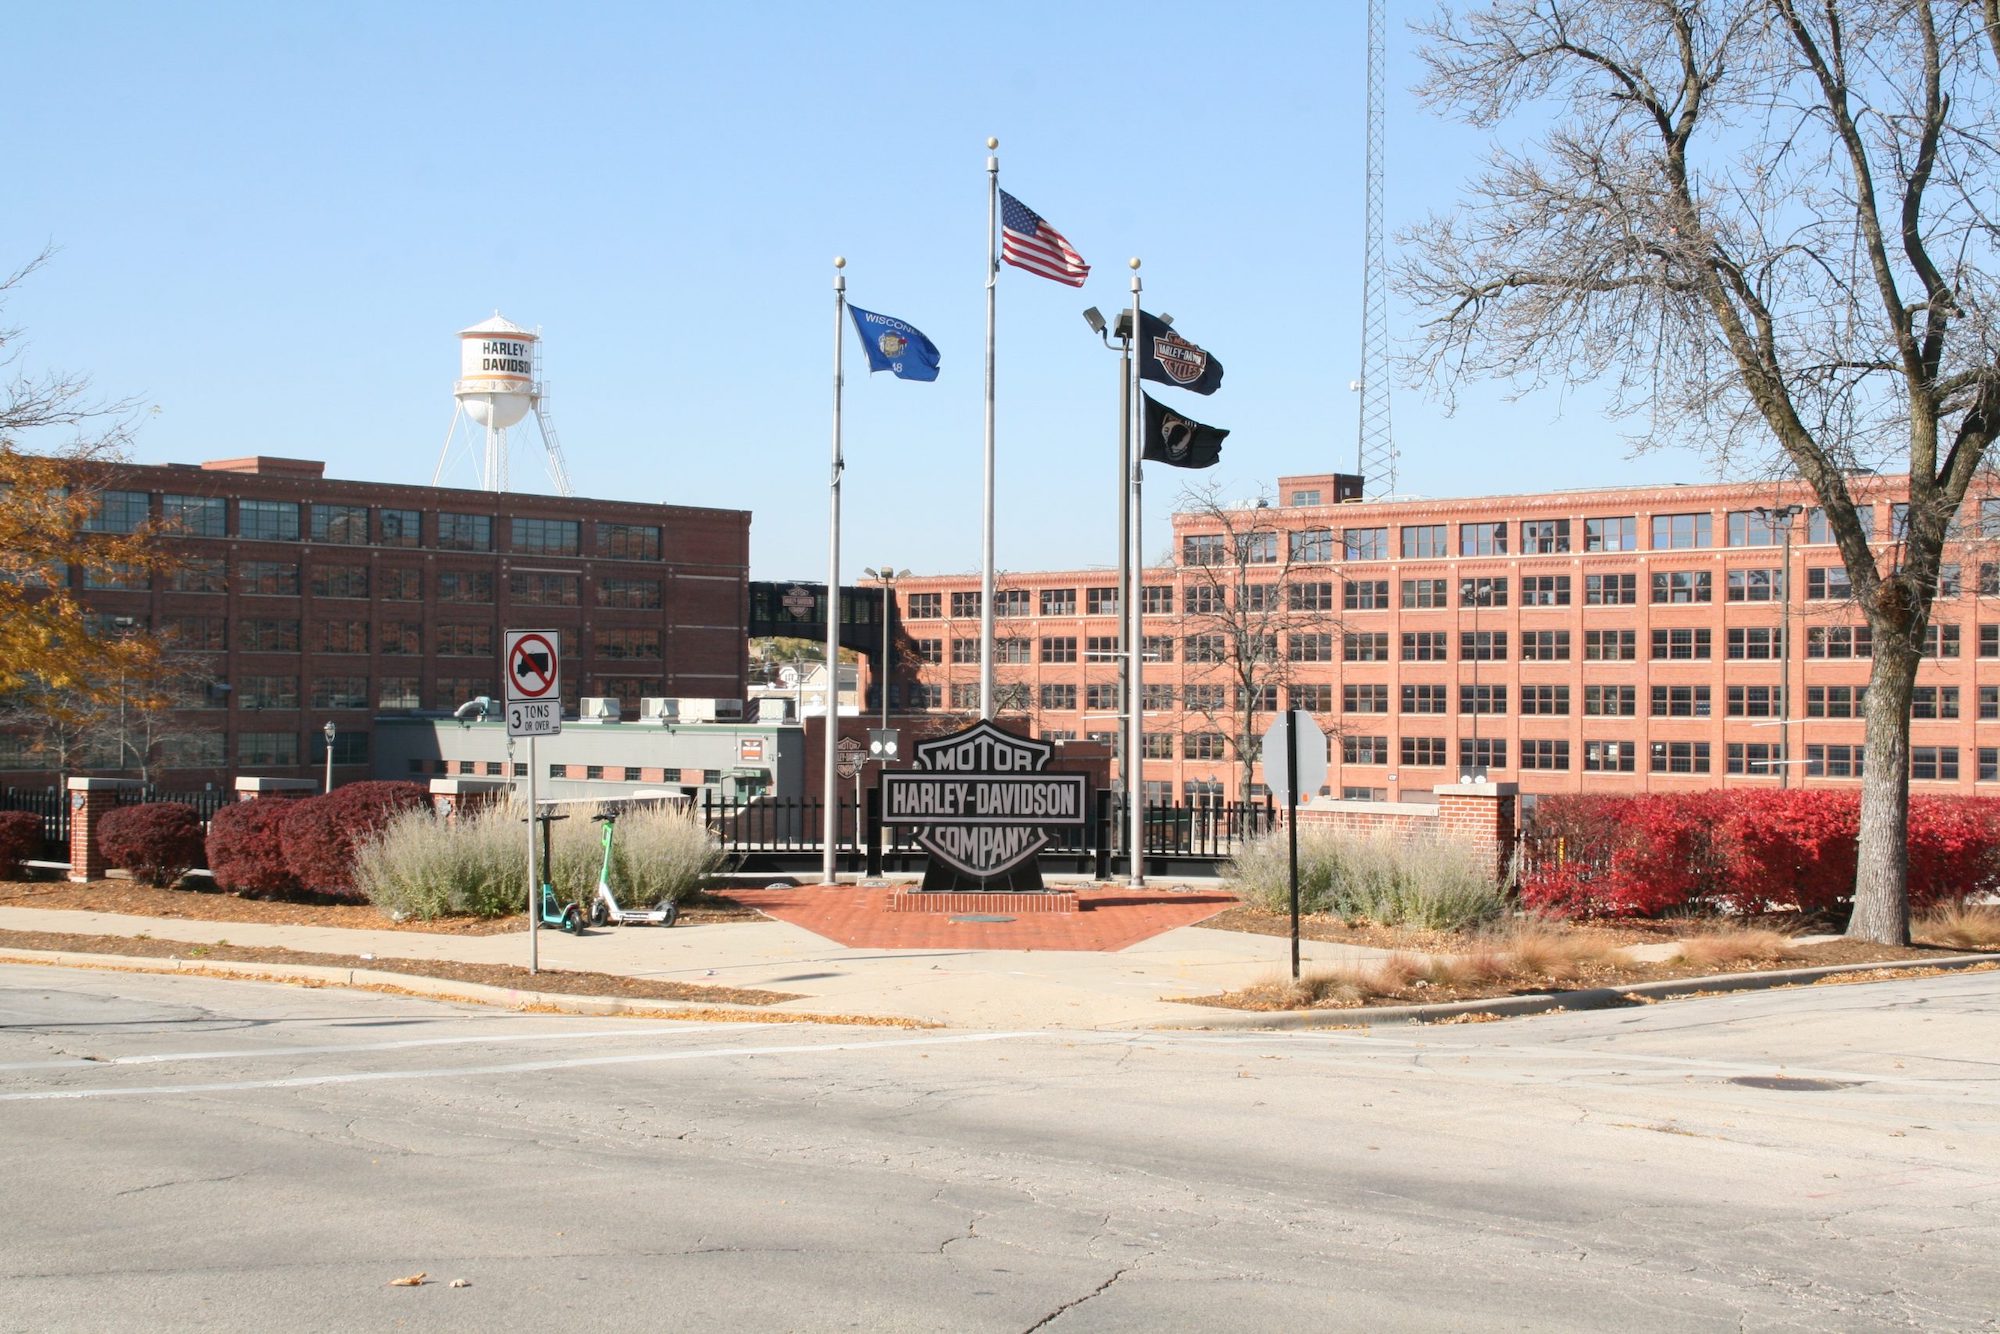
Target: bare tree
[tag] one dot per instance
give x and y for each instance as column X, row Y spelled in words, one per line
column 1258, row 605
column 1768, row 226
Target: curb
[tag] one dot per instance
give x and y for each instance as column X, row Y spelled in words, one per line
column 1595, row 998
column 413, row 984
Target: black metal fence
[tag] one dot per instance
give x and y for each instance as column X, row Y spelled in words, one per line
column 52, row 805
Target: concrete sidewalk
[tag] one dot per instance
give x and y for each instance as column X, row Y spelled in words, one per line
column 960, row 988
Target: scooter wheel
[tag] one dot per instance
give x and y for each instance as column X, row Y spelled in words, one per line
column 599, row 914
column 669, row 912
column 572, row 920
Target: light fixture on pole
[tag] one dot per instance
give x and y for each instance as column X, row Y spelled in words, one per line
column 329, row 731
column 1781, row 517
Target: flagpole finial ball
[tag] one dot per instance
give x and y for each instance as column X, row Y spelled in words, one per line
column 991, row 142
column 1134, row 261
column 840, row 261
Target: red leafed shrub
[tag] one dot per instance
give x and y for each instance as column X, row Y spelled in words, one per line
column 320, row 832
column 1954, row 849
column 1634, row 856
column 1791, row 849
column 246, row 851
column 158, row 842
column 20, row 841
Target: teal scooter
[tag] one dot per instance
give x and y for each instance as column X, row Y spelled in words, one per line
column 568, row 916
column 604, row 907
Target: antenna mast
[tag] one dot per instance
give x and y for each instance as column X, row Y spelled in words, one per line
column 1375, row 454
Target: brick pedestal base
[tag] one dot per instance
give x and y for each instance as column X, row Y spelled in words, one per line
column 975, row 901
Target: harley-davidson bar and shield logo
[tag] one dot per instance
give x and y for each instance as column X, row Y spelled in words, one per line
column 982, row 806
column 1181, row 360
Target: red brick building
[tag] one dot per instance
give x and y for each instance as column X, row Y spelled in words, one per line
column 309, row 600
column 1614, row 639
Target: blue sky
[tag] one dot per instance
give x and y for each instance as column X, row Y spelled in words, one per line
column 273, row 220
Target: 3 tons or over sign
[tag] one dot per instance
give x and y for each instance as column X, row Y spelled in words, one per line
column 532, row 667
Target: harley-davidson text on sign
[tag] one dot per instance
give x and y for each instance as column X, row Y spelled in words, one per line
column 982, row 807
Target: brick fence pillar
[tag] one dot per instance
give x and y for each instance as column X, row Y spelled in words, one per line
column 250, row 789
column 1483, row 814
column 90, row 799
column 456, row 798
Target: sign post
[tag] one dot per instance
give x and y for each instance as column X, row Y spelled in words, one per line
column 531, row 666
column 1294, row 761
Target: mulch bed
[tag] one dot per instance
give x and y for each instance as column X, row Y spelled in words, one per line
column 202, row 902
column 1336, row 931
column 560, row 981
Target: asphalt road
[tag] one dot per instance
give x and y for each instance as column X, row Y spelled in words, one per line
column 185, row 1152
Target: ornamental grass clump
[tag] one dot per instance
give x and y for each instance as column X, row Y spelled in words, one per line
column 1732, row 949
column 1425, row 882
column 1962, row 926
column 661, row 854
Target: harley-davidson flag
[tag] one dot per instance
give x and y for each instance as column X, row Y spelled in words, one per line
column 1168, row 358
column 1180, row 441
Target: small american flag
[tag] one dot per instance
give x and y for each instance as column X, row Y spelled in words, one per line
column 1027, row 242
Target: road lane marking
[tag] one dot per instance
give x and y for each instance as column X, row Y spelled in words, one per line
column 518, row 1068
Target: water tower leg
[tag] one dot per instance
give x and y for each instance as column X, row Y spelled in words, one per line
column 444, row 455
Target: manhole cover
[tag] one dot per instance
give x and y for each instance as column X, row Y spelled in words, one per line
column 979, row 917
column 1793, row 1084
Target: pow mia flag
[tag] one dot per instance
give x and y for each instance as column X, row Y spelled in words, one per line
column 1180, row 441
column 1168, row 358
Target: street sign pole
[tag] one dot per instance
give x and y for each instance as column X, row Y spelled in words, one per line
column 534, row 880
column 1292, row 823
column 531, row 669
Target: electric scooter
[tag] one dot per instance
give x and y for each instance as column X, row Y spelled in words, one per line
column 604, row 907
column 568, row 916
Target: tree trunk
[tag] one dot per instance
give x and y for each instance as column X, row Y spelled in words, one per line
column 1882, row 866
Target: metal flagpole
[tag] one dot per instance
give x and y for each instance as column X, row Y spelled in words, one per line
column 1135, row 786
column 986, row 575
column 1127, row 761
column 829, row 793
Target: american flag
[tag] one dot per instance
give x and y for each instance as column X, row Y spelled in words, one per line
column 1027, row 242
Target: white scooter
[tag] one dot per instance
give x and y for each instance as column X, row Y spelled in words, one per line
column 604, row 907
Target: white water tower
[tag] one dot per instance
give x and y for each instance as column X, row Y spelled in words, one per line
column 499, row 384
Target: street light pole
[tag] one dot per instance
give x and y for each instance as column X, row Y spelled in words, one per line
column 1473, row 772
column 887, row 577
column 330, row 731
column 1781, row 517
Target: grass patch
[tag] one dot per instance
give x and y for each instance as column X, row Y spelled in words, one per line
column 1733, row 949
column 1964, row 926
column 1425, row 882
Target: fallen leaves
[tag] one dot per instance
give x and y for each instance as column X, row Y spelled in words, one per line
column 415, row 1280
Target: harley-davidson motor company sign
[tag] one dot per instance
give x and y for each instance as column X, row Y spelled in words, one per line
column 982, row 807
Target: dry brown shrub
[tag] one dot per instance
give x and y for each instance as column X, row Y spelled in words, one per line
column 1727, row 949
column 1531, row 947
column 1965, row 926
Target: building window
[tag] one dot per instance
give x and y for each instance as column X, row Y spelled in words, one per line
column 195, row 634
column 1366, row 698
column 1610, row 590
column 265, row 750
column 340, row 581
column 1754, row 643
column 1424, row 752
column 635, row 594
column 1545, row 590
column 1834, row 761
column 1101, row 648
column 1819, row 530
column 1155, row 698
column 1365, row 595
column 1756, row 585
column 1372, row 647
column 340, row 525
column 543, row 590
column 195, row 516
column 1315, row 698
column 1754, row 757
column 201, row 750
column 1312, row 544
column 1364, row 749
column 1839, row 641
column 1680, row 757
column 1609, row 757
column 1156, row 600
column 473, row 586
column 1202, row 746
column 1309, row 648
column 1940, row 641
column 1477, row 753
column 1989, row 703
column 118, row 577
column 1482, row 646
column 1749, row 701
column 1828, row 582
column 927, row 650
column 268, row 578
column 397, row 693
column 1426, row 646
column 343, row 636
column 1610, row 701
column 1426, row 699
column 267, row 692
column 1059, row 698
column 119, row 512
column 1550, row 701
column 402, row 639
column 1482, row 699
column 254, row 635
column 966, row 605
column 1748, row 528
column 202, row 575
column 1931, row 702
column 1680, row 701
column 1366, row 543
column 923, row 606
column 1610, row 645
column 1157, row 746
column 1540, row 754
column 1545, row 646
column 1684, row 645
column 399, row 528
column 628, row 541
column 965, row 695
column 1680, row 586
column 547, row 537
column 465, row 532
column 468, row 641
column 1482, row 593
column 340, row 692
column 1614, row 534
column 1425, row 542
column 1206, row 600
column 1013, row 651
column 623, row 644
column 925, row 697
column 1203, row 549
column 1544, row 537
column 1482, row 539
column 1058, row 602
column 1055, row 648
column 1836, row 701
column 964, row 652
column 394, row 585
column 1205, row 698
column 1259, row 548
column 1422, row 594
column 1012, row 603
column 268, row 520
column 1312, row 596
column 1101, row 601
column 1674, row 532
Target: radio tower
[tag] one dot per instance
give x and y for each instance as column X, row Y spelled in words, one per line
column 1375, row 456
